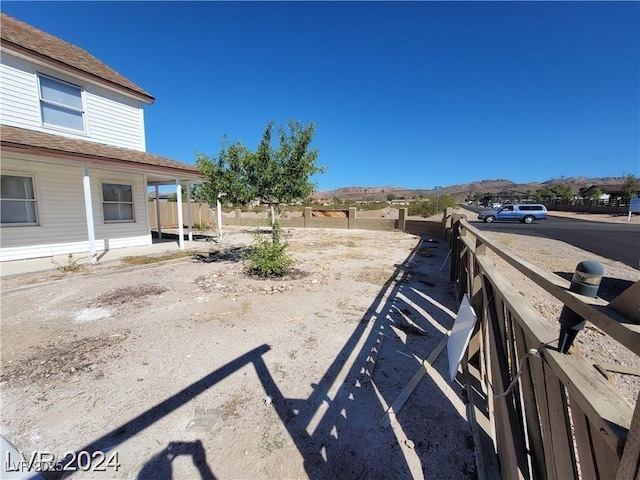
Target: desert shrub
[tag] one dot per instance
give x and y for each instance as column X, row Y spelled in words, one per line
column 373, row 205
column 70, row 266
column 201, row 226
column 424, row 209
column 428, row 207
column 267, row 258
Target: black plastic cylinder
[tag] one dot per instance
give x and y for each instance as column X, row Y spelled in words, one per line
column 587, row 277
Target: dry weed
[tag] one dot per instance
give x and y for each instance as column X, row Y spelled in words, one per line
column 147, row 259
column 57, row 361
column 123, row 295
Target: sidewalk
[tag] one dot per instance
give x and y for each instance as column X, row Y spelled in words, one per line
column 44, row 264
column 596, row 217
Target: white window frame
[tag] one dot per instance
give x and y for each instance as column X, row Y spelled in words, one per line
column 61, row 105
column 132, row 202
column 34, row 200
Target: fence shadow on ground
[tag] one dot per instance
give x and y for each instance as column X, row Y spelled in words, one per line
column 337, row 429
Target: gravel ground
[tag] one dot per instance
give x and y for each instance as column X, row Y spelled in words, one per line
column 192, row 369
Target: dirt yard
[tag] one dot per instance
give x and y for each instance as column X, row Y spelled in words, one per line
column 190, row 369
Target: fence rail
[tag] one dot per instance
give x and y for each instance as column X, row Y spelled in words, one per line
column 613, row 205
column 561, row 419
column 203, row 214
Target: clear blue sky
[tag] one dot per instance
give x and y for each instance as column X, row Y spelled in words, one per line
column 413, row 94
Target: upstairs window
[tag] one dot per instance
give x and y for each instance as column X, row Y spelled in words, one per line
column 61, row 104
column 17, row 201
column 117, row 202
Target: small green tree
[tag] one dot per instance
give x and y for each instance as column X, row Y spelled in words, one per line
column 597, row 193
column 275, row 175
column 562, row 191
column 280, row 175
column 630, row 186
column 224, row 177
column 446, row 201
column 174, row 198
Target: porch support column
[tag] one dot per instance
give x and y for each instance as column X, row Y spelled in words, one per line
column 158, row 213
column 180, row 220
column 189, row 213
column 88, row 208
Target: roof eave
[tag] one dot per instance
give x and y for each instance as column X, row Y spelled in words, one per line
column 32, row 54
column 185, row 174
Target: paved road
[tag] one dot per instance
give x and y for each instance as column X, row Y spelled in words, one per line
column 617, row 241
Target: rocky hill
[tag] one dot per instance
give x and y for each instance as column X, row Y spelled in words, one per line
column 461, row 191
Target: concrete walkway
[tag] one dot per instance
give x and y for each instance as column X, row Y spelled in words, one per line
column 32, row 265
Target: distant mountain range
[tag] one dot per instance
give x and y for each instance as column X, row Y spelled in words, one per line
column 461, row 191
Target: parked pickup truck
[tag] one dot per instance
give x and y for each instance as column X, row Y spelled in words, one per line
column 525, row 213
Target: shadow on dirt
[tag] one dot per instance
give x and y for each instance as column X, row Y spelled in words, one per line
column 232, row 254
column 338, row 428
column 159, row 467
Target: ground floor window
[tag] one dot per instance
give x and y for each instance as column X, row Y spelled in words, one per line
column 18, row 200
column 117, row 202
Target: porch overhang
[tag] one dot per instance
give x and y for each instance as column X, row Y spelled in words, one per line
column 159, row 170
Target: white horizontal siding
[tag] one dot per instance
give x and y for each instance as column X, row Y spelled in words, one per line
column 111, row 118
column 62, row 225
column 114, row 119
column 52, row 249
column 19, row 103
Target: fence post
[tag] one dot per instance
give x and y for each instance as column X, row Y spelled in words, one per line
column 352, row 218
column 447, row 225
column 307, row 217
column 454, row 245
column 237, row 220
column 402, row 219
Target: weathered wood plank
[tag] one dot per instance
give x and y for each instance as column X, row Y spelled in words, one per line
column 605, row 407
column 628, row 303
column 487, row 462
column 594, row 310
column 565, row 462
column 509, row 439
column 534, row 431
column 535, row 363
column 630, row 464
column 607, row 460
column 602, row 417
column 584, row 445
column 613, row 367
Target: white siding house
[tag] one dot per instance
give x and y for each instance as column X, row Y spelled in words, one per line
column 109, row 117
column 74, row 168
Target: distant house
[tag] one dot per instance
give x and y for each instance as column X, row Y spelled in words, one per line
column 163, row 197
column 609, row 192
column 509, row 196
column 75, row 171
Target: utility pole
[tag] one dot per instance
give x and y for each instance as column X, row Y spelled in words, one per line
column 437, row 198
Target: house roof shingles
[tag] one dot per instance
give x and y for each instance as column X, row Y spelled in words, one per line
column 609, row 188
column 27, row 40
column 30, row 141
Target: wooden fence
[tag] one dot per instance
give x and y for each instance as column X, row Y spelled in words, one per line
column 203, row 214
column 562, row 419
column 584, row 205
